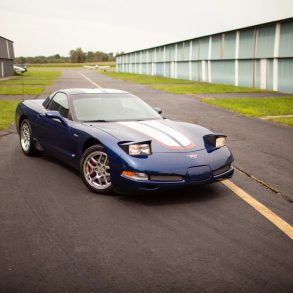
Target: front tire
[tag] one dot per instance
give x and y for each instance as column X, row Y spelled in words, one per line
column 95, row 170
column 26, row 138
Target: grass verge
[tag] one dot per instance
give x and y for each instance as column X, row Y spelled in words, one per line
column 283, row 120
column 180, row 86
column 34, row 82
column 257, row 107
column 7, row 113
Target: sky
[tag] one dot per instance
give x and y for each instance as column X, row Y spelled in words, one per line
column 48, row 27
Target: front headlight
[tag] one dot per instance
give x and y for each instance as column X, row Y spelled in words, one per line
column 220, row 141
column 139, row 149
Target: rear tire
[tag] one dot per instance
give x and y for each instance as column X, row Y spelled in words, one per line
column 26, row 138
column 95, row 170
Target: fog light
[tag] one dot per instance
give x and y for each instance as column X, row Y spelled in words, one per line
column 135, row 175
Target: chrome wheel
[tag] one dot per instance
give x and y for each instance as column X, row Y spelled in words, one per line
column 97, row 170
column 25, row 137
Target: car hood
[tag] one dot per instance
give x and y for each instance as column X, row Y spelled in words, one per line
column 165, row 135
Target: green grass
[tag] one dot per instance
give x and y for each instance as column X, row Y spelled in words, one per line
column 7, row 113
column 283, row 120
column 257, row 107
column 180, row 86
column 205, row 88
column 146, row 79
column 34, row 81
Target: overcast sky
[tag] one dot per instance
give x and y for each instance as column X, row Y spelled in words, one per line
column 47, row 27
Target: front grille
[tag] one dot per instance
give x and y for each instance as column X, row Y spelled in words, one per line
column 165, row 178
column 221, row 170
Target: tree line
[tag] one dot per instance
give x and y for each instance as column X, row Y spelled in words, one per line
column 75, row 56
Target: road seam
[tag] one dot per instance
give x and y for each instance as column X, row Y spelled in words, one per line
column 84, row 76
column 262, row 209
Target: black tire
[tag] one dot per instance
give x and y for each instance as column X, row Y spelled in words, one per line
column 26, row 138
column 95, row 170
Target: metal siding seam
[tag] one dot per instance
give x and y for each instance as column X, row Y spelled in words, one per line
column 275, row 75
column 222, row 46
column 7, row 47
column 209, row 71
column 210, row 48
column 2, row 69
column 147, row 59
column 176, row 58
column 164, row 64
column 236, row 73
column 277, row 40
column 190, row 57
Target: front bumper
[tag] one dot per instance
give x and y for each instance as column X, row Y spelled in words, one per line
column 189, row 169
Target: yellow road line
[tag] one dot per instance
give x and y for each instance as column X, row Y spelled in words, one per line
column 262, row 209
column 89, row 80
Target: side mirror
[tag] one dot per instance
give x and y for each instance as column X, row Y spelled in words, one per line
column 158, row 110
column 56, row 115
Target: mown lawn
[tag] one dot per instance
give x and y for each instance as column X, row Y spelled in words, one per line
column 34, row 82
column 180, row 86
column 7, row 113
column 257, row 107
column 283, row 120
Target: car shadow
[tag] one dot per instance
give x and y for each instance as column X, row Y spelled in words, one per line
column 198, row 193
column 195, row 193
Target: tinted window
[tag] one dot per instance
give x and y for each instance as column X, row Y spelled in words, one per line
column 59, row 103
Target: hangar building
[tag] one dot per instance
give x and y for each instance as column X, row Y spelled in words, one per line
column 6, row 57
column 259, row 56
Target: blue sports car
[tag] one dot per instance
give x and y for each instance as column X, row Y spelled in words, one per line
column 119, row 143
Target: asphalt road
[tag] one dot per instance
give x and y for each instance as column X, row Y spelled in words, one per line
column 56, row 236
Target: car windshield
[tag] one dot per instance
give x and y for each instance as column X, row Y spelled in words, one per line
column 111, row 107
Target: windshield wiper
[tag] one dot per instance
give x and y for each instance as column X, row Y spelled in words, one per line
column 89, row 121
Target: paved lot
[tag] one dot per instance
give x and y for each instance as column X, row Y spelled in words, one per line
column 56, row 236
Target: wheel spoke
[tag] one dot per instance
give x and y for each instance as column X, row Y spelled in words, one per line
column 97, row 170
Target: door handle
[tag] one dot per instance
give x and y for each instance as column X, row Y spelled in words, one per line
column 40, row 115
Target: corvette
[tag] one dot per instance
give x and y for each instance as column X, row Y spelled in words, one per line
column 119, row 143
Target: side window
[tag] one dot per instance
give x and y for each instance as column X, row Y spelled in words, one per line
column 59, row 103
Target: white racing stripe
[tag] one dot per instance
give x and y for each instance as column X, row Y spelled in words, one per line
column 153, row 133
column 183, row 140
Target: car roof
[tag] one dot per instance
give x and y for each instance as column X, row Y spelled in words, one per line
column 76, row 91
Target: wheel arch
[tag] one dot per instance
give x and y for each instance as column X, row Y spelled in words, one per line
column 90, row 142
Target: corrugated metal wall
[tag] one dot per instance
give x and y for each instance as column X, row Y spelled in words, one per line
column 259, row 56
column 6, row 57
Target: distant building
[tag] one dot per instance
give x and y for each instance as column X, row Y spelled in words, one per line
column 259, row 56
column 6, row 57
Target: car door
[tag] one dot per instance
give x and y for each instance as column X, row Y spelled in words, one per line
column 56, row 136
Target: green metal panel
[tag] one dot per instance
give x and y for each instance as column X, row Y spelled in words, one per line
column 203, row 48
column 195, row 72
column 257, row 74
column 183, row 70
column 186, row 51
column 285, row 75
column 160, row 69
column 217, row 47
column 144, row 68
column 183, row 51
column 246, row 43
column 265, row 41
column 270, row 74
column 160, row 54
column 246, row 73
column 144, row 56
column 286, row 40
column 223, row 71
column 195, row 50
column 229, row 45
column 180, row 50
column 168, row 69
